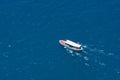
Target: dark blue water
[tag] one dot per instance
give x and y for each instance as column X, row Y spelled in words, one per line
column 30, row 30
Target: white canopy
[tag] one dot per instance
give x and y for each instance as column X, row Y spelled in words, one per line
column 72, row 43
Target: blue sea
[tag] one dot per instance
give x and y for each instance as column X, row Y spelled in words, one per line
column 30, row 31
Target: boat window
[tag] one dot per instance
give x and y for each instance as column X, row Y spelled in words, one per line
column 78, row 47
column 69, row 45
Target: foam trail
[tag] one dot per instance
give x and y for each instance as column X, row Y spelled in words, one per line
column 95, row 58
column 91, row 54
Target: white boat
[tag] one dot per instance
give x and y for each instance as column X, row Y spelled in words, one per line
column 71, row 45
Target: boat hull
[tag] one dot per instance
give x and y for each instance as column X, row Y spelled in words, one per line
column 63, row 43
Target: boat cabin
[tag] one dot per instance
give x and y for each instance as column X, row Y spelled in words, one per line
column 72, row 44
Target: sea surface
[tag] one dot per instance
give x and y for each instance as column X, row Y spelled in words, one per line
column 30, row 31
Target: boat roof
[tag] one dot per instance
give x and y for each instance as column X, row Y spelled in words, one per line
column 72, row 43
